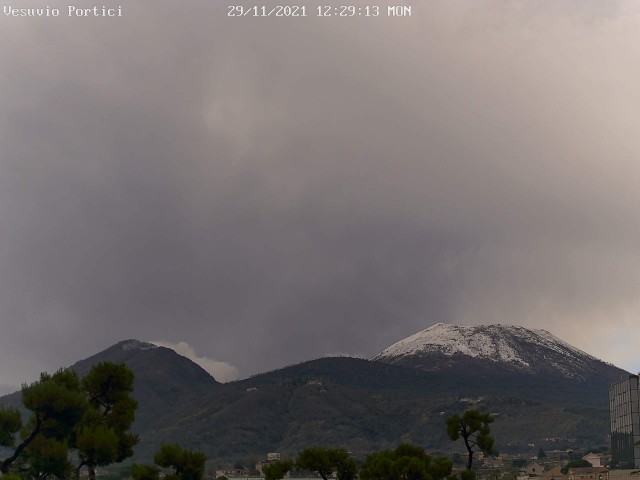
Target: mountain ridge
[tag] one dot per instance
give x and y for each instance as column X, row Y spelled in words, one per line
column 355, row 403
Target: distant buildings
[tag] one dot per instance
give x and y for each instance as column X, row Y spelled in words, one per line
column 597, row 459
column 589, row 473
column 534, row 468
column 624, row 408
column 271, row 457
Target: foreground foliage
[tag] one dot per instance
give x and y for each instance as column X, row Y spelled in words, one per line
column 277, row 470
column 325, row 461
column 406, row 462
column 144, row 472
column 103, row 437
column 91, row 418
column 186, row 464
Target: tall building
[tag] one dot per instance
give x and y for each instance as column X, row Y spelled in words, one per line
column 624, row 408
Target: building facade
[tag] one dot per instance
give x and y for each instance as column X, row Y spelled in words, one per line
column 624, row 408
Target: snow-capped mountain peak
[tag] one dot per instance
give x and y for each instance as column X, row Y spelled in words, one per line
column 511, row 346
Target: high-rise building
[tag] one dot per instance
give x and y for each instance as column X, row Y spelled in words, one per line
column 624, row 408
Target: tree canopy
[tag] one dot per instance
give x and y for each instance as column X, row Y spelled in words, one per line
column 473, row 427
column 56, row 405
column 187, row 464
column 144, row 472
column 277, row 470
column 325, row 461
column 405, row 462
column 103, row 436
column 91, row 417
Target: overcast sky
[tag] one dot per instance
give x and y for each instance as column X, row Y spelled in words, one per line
column 263, row 191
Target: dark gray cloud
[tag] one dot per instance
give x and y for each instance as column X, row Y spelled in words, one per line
column 271, row 190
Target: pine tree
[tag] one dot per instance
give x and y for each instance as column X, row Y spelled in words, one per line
column 473, row 427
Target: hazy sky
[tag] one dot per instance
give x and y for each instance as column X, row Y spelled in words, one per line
column 263, row 191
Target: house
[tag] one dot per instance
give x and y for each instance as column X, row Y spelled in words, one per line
column 597, row 459
column 271, row 457
column 534, row 469
column 554, row 473
column 588, row 473
column 626, row 474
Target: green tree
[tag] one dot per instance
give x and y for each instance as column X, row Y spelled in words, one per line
column 10, row 424
column 346, row 467
column 144, row 472
column 91, row 416
column 48, row 457
column 473, row 427
column 378, row 466
column 325, row 461
column 277, row 470
column 103, row 436
column 316, row 459
column 56, row 405
column 188, row 465
column 406, row 462
column 541, row 453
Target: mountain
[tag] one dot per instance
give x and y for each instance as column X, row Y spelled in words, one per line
column 162, row 379
column 496, row 350
column 160, row 367
column 537, row 386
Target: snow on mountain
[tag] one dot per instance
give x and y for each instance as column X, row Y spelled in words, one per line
column 513, row 347
column 136, row 345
